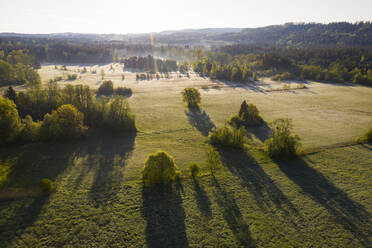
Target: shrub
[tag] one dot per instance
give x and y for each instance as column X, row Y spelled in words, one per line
column 46, row 185
column 282, row 144
column 10, row 123
column 194, row 170
column 123, row 91
column 159, row 169
column 248, row 116
column 228, row 136
column 366, row 138
column 191, row 96
column 106, row 88
column 72, row 77
column 213, row 160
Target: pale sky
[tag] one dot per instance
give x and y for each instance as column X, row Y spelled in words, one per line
column 138, row 16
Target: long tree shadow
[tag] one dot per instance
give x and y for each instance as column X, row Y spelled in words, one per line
column 21, row 209
column 202, row 200
column 233, row 216
column 165, row 217
column 262, row 132
column 108, row 154
column 266, row 194
column 350, row 214
column 200, row 120
column 23, row 214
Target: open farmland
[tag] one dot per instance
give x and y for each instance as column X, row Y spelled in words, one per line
column 323, row 199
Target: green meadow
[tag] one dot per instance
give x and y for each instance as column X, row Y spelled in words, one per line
column 320, row 199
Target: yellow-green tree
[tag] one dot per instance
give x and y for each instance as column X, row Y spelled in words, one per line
column 160, row 168
column 191, row 96
column 10, row 123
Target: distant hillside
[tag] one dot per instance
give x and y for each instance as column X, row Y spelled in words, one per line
column 290, row 34
column 341, row 33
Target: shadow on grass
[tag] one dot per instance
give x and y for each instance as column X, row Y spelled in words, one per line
column 202, row 199
column 23, row 214
column 233, row 216
column 162, row 209
column 108, row 154
column 32, row 163
column 250, row 85
column 200, row 120
column 266, row 194
column 350, row 214
column 262, row 132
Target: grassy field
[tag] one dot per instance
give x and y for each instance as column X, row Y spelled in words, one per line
column 319, row 200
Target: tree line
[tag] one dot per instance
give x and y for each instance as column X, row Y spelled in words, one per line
column 148, row 63
column 330, row 64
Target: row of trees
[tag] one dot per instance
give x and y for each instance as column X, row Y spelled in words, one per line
column 234, row 72
column 107, row 89
column 148, row 63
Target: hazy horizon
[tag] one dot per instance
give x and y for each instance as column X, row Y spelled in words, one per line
column 135, row 17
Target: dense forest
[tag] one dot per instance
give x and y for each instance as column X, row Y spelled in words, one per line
column 242, row 63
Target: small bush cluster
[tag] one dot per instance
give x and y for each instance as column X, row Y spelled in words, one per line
column 123, row 91
column 191, row 96
column 72, row 77
column 160, row 168
column 282, row 144
column 228, row 136
column 248, row 116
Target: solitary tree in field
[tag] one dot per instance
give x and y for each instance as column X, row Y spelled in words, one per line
column 159, row 169
column 191, row 96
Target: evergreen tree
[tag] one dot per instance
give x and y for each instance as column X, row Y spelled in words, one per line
column 11, row 94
